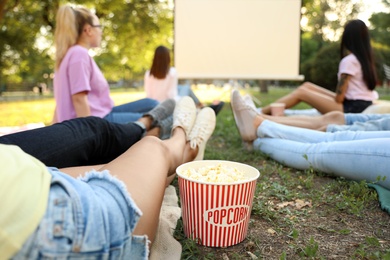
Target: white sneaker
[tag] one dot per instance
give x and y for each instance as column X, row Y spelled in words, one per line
column 244, row 116
column 184, row 114
column 202, row 130
column 249, row 101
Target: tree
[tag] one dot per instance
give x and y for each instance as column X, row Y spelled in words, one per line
column 380, row 32
column 21, row 24
column 133, row 30
column 322, row 25
column 325, row 19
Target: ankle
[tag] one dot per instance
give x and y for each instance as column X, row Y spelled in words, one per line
column 190, row 153
column 258, row 120
column 146, row 121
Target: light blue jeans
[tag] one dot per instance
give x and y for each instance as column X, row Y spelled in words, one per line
column 131, row 112
column 88, row 218
column 185, row 90
column 362, row 122
column 355, row 155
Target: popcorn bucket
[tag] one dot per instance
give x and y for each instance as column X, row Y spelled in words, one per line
column 216, row 214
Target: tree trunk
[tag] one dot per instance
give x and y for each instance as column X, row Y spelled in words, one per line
column 263, row 86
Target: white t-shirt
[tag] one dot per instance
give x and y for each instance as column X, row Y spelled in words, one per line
column 161, row 89
column 357, row 88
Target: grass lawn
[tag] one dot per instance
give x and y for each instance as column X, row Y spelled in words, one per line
column 296, row 214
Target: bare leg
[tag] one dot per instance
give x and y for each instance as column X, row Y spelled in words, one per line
column 319, row 89
column 321, row 99
column 144, row 169
column 80, row 170
column 309, row 122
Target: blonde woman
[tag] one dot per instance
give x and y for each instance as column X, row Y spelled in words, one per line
column 80, row 88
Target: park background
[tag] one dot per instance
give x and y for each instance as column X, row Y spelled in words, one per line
column 296, row 214
column 134, row 28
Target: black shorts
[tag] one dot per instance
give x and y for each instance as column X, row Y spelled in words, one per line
column 355, row 106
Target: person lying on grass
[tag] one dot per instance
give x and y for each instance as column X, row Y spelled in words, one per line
column 111, row 211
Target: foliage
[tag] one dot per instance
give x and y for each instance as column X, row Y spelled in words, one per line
column 381, row 56
column 380, row 23
column 132, row 31
column 324, row 71
column 326, row 18
column 21, row 24
column 133, row 28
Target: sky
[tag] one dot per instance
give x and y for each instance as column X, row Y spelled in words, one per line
column 371, row 6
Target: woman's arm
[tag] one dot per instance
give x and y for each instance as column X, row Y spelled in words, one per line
column 81, row 105
column 342, row 87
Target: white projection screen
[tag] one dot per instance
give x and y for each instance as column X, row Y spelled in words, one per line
column 237, row 39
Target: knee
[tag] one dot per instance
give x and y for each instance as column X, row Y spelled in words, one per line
column 305, row 86
column 156, row 145
column 335, row 117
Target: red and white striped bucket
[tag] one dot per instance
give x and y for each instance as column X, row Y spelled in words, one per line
column 216, row 214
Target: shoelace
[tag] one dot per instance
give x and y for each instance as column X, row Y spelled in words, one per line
column 198, row 135
column 241, row 106
column 182, row 120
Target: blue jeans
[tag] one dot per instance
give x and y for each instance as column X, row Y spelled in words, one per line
column 355, row 155
column 131, row 112
column 185, row 90
column 76, row 142
column 88, row 218
column 362, row 122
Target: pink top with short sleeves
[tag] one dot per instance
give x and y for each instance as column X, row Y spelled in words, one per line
column 161, row 89
column 357, row 88
column 78, row 72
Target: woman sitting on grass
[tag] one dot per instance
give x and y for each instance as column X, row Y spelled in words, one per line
column 80, row 88
column 356, row 78
column 161, row 81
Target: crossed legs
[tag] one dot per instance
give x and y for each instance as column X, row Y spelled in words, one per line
column 144, row 169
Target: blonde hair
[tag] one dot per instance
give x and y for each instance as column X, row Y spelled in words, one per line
column 69, row 26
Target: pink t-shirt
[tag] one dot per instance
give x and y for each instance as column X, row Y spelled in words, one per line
column 357, row 88
column 161, row 89
column 78, row 72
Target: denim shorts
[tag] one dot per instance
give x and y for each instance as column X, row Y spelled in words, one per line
column 92, row 217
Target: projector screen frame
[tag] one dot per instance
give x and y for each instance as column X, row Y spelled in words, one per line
column 231, row 73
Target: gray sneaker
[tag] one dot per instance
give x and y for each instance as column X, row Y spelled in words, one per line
column 166, row 128
column 161, row 111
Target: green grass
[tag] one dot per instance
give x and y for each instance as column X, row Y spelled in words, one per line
column 340, row 210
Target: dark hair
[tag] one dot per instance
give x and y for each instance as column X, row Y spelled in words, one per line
column 161, row 62
column 356, row 39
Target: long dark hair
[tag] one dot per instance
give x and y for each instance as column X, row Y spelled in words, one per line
column 161, row 62
column 356, row 39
